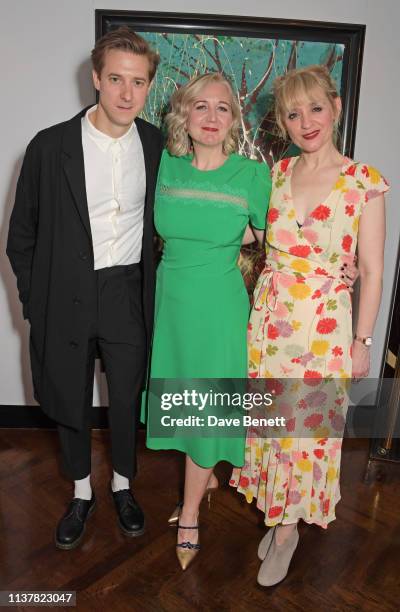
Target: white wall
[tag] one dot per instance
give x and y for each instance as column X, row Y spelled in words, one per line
column 44, row 47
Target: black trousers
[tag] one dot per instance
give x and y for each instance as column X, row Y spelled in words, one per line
column 117, row 332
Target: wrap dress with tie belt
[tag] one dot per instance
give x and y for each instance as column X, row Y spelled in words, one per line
column 300, row 334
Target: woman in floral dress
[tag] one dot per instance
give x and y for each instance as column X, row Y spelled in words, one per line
column 322, row 207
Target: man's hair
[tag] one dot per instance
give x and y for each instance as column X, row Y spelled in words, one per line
column 123, row 39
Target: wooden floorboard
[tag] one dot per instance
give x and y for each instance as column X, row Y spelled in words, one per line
column 353, row 565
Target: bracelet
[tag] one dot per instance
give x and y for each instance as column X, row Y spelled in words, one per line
column 366, row 340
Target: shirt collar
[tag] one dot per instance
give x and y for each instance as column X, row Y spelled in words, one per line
column 102, row 140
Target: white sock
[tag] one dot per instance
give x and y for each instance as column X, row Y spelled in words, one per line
column 83, row 490
column 119, row 482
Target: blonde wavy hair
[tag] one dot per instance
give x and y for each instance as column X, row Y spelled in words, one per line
column 179, row 142
column 300, row 83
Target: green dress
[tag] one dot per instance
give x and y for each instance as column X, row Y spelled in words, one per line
column 202, row 306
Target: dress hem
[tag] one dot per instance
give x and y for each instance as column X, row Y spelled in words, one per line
column 268, row 523
column 223, row 458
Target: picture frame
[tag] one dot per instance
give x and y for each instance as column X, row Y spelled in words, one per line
column 234, row 45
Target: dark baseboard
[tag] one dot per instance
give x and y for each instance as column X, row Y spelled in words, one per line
column 34, row 417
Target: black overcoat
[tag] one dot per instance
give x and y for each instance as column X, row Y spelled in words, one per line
column 51, row 253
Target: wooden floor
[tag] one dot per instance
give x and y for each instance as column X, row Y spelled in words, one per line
column 353, row 565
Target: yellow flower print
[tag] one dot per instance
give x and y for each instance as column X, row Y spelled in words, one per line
column 286, row 443
column 299, row 291
column 340, row 183
column 270, row 236
column 321, row 432
column 291, row 213
column 255, row 356
column 296, row 325
column 374, row 175
column 300, row 265
column 331, row 474
column 249, row 497
column 320, row 347
column 313, row 508
column 305, row 465
column 355, row 224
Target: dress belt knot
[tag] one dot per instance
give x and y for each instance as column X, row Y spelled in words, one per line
column 266, row 292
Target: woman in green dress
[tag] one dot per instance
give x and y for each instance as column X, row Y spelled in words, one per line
column 207, row 198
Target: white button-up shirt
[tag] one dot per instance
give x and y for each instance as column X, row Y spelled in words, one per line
column 115, row 188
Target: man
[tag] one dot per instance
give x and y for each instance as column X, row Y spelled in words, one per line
column 81, row 246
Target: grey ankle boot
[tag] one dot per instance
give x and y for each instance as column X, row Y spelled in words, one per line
column 265, row 543
column 275, row 566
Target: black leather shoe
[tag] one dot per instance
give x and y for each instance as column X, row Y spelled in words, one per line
column 71, row 527
column 130, row 514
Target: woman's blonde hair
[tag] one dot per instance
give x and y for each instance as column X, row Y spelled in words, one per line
column 299, row 83
column 179, row 142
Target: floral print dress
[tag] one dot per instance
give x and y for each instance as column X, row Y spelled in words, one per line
column 301, row 329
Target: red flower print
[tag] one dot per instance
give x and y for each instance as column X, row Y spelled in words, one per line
column 291, row 424
column 317, row 294
column 349, row 210
column 273, row 215
column 347, row 241
column 337, row 351
column 244, row 482
column 253, row 374
column 249, row 326
column 365, row 171
column 312, row 377
column 273, row 385
column 312, row 492
column 319, row 453
column 317, row 250
column 325, row 507
column 321, row 495
column 300, row 250
column 232, row 481
column 314, row 420
column 284, row 164
column 351, row 170
column 273, row 332
column 275, row 511
column 295, row 360
column 302, row 404
column 321, row 271
column 340, row 287
column 321, row 213
column 320, row 308
column 326, row 326
column 263, row 476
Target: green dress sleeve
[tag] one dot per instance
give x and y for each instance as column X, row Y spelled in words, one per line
column 259, row 194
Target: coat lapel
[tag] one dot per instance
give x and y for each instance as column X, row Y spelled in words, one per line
column 148, row 163
column 74, row 167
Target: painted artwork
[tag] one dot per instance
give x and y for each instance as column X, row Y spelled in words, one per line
column 251, row 65
column 251, row 52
